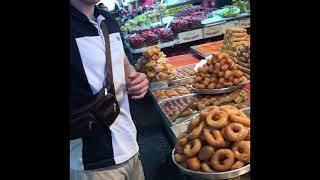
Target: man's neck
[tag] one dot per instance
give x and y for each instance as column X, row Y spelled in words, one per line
column 86, row 9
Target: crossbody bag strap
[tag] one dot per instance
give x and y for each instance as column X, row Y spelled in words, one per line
column 108, row 58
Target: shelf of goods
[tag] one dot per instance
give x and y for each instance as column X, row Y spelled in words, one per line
column 209, row 28
column 176, row 101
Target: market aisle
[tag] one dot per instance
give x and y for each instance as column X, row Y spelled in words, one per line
column 154, row 145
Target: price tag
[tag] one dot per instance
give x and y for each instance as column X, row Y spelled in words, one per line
column 189, row 36
column 233, row 23
column 244, row 23
column 212, row 31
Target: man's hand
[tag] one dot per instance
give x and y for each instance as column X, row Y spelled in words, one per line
column 138, row 85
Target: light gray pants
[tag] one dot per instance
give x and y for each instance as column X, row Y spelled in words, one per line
column 129, row 170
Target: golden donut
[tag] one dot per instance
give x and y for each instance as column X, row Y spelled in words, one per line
column 217, row 67
column 205, row 152
column 236, row 81
column 205, row 167
column 225, row 67
column 219, row 86
column 238, row 73
column 198, row 78
column 200, row 69
column 194, row 123
column 179, row 148
column 205, row 112
column 183, row 141
column 203, row 75
column 180, row 158
column 213, row 137
column 228, row 84
column 195, row 133
column 220, row 74
column 217, row 118
column 237, row 165
column 241, row 151
column 206, row 81
column 248, row 137
column 211, row 68
column 236, row 132
column 192, row 148
column 193, row 163
column 202, row 138
column 230, row 79
column 227, row 74
column 240, row 117
column 220, row 57
column 211, row 85
column 226, row 145
column 200, row 86
column 182, row 135
column 221, row 80
column 222, row 160
column 216, row 71
column 213, row 79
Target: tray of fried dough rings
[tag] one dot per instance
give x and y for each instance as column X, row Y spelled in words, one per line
column 218, row 74
column 215, row 144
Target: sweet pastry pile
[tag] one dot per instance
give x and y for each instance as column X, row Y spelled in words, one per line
column 155, row 65
column 217, row 140
column 219, row 72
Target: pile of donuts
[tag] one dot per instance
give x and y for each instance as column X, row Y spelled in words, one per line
column 219, row 72
column 217, row 140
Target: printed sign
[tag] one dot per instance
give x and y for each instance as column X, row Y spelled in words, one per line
column 189, row 36
column 212, row 31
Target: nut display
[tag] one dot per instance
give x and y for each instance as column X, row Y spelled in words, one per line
column 155, row 65
column 217, row 140
column 219, row 72
column 169, row 93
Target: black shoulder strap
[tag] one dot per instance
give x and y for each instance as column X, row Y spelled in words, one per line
column 108, row 57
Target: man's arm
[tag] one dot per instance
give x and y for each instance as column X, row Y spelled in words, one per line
column 137, row 82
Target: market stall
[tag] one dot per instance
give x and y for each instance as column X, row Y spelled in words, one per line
column 184, row 87
column 209, row 78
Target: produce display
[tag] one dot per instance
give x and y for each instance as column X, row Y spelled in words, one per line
column 219, row 72
column 185, row 71
column 170, row 93
column 136, row 41
column 173, row 109
column 217, row 140
column 190, row 11
column 150, row 37
column 185, row 23
column 229, row 11
column 144, row 20
column 155, row 65
column 209, row 48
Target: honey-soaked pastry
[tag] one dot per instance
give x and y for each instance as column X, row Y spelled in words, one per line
column 192, row 148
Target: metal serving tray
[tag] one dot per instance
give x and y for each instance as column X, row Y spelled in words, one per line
column 219, row 91
column 213, row 176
